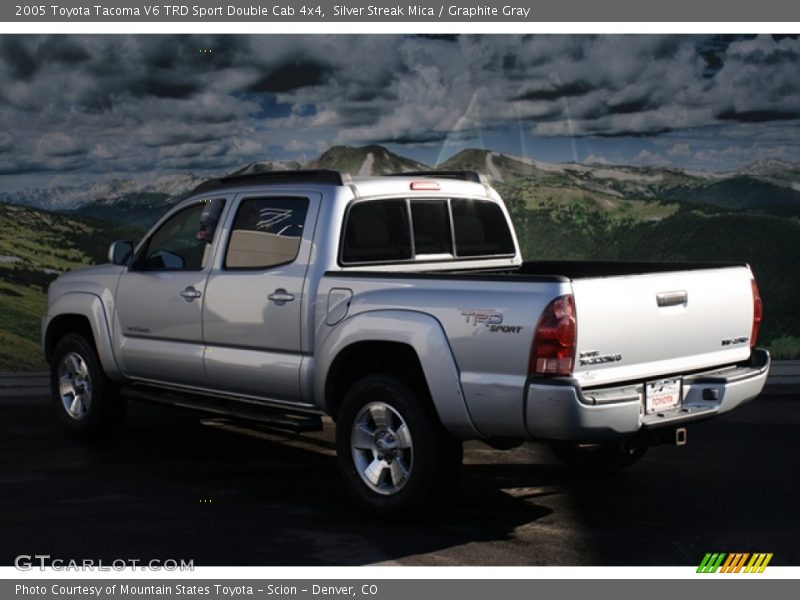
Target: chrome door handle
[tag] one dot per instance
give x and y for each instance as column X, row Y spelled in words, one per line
column 190, row 294
column 281, row 297
column 672, row 298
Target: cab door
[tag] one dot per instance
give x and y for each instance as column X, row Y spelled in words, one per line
column 256, row 298
column 159, row 301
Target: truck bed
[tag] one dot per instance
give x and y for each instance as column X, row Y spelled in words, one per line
column 635, row 320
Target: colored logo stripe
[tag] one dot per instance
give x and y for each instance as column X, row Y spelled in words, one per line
column 734, row 562
column 711, row 562
column 758, row 563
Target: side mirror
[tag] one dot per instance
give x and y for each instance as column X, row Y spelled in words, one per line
column 121, row 253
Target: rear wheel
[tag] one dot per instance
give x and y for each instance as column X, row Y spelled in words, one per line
column 86, row 401
column 394, row 454
column 601, row 458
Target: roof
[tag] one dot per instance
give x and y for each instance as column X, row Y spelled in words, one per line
column 330, row 177
column 316, row 176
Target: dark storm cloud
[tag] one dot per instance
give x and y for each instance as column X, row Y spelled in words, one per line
column 112, row 103
column 21, row 63
column 293, row 75
column 61, row 49
column 420, row 138
column 164, row 87
column 554, row 92
column 650, row 133
column 437, row 36
column 370, row 95
column 757, row 116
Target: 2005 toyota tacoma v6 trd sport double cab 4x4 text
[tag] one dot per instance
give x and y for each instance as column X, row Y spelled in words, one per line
column 401, row 307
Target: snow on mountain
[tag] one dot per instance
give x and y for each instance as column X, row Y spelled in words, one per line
column 174, row 185
column 266, row 166
column 769, row 166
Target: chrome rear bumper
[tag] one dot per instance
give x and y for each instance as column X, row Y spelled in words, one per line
column 561, row 410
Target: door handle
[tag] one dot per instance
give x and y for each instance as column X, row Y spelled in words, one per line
column 281, row 297
column 190, row 294
column 672, row 298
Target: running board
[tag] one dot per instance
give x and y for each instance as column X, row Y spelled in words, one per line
column 270, row 417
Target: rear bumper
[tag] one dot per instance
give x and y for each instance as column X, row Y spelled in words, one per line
column 560, row 410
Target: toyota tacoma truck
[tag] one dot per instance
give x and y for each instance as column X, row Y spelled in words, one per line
column 401, row 307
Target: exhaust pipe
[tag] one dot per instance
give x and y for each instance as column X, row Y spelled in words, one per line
column 680, row 436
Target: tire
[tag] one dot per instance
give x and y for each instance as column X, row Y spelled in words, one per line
column 395, row 456
column 86, row 401
column 600, row 458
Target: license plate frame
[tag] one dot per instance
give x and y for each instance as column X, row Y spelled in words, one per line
column 663, row 395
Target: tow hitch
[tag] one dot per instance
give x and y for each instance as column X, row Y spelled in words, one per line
column 680, row 436
column 675, row 436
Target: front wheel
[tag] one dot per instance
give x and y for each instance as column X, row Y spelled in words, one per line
column 394, row 454
column 600, row 458
column 86, row 401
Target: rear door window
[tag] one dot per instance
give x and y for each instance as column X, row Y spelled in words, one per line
column 266, row 233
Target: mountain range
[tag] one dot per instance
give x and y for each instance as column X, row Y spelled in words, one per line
column 762, row 185
column 560, row 211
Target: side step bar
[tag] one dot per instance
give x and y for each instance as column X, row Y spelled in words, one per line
column 270, row 417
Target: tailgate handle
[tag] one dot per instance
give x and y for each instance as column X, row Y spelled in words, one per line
column 672, row 298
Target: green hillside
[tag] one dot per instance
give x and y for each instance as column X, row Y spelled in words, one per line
column 34, row 247
column 373, row 159
column 737, row 193
column 476, row 160
column 555, row 194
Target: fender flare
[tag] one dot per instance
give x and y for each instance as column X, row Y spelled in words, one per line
column 90, row 306
column 425, row 335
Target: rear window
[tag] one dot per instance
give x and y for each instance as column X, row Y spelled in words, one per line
column 431, row 227
column 377, row 232
column 380, row 231
column 480, row 228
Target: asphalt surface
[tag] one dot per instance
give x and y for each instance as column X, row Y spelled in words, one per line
column 176, row 485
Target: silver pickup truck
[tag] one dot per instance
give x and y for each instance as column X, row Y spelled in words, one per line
column 401, row 307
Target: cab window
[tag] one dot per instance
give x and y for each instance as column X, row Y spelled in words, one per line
column 266, row 233
column 183, row 241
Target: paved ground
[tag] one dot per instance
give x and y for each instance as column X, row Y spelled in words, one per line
column 173, row 485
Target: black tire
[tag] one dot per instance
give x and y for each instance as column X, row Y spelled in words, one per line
column 430, row 457
column 86, row 401
column 600, row 458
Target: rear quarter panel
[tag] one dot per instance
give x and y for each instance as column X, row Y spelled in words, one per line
column 489, row 326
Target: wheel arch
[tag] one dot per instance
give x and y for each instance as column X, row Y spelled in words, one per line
column 82, row 313
column 407, row 344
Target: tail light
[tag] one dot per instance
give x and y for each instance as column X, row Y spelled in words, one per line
column 553, row 350
column 758, row 311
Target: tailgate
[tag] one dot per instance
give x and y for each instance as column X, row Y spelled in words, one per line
column 631, row 328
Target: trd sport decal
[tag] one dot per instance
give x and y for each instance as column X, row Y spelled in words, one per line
column 490, row 319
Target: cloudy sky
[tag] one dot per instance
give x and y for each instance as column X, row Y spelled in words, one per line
column 89, row 107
